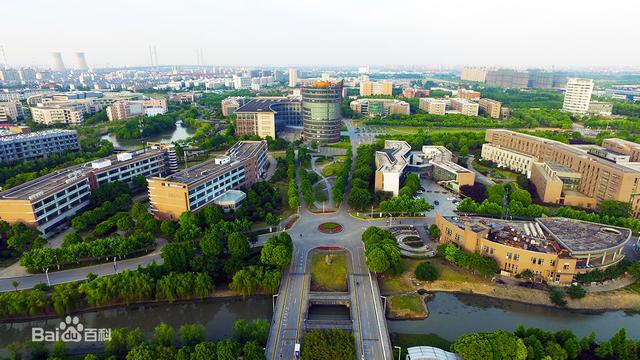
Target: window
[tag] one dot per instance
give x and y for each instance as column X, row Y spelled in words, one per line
column 533, row 260
column 552, row 262
column 516, row 257
column 509, row 255
column 566, row 266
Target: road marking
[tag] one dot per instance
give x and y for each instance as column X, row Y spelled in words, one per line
column 284, row 301
column 304, row 286
column 355, row 291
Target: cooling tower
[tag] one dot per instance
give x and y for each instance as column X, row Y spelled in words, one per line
column 56, row 62
column 80, row 63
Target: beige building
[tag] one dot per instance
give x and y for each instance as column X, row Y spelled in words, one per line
column 464, row 106
column 231, row 104
column 380, row 107
column 469, row 73
column 11, row 110
column 600, row 108
column 577, row 95
column 553, row 249
column 575, row 175
column 491, row 107
column 390, row 166
column 368, row 88
column 508, row 158
column 433, row 106
column 468, row 94
column 293, row 77
column 56, row 115
column 263, row 116
column 127, row 109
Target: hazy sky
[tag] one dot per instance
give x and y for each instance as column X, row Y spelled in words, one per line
column 325, row 32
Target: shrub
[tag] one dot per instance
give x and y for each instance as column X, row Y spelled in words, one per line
column 426, row 272
column 557, row 296
column 576, row 291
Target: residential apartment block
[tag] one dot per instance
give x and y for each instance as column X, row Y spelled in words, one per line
column 491, row 107
column 464, row 106
column 127, row 109
column 48, row 202
column 368, row 88
column 189, row 190
column 11, row 111
column 553, row 249
column 380, row 107
column 20, row 146
column 507, row 78
column 433, row 106
column 577, row 96
column 576, row 175
column 473, row 74
column 265, row 116
column 468, row 94
column 50, row 115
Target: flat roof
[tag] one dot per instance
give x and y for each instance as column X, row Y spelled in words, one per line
column 240, row 151
column 581, row 237
column 11, row 136
column 392, row 157
column 430, row 353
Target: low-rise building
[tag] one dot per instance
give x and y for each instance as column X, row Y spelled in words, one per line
column 433, row 106
column 127, row 109
column 414, row 92
column 380, row 107
column 191, row 189
column 264, row 116
column 507, row 158
column 468, row 94
column 553, row 249
column 11, row 111
column 430, row 353
column 438, row 163
column 368, row 88
column 231, row 200
column 391, row 163
column 491, row 107
column 231, row 104
column 48, row 202
column 50, row 115
column 187, row 97
column 464, row 106
column 20, row 145
column 600, row 108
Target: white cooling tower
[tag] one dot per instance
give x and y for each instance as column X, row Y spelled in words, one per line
column 80, row 62
column 56, row 62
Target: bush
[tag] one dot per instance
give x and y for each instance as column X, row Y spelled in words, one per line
column 557, row 296
column 576, row 291
column 426, row 272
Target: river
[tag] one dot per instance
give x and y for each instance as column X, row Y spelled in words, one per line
column 180, row 133
column 450, row 317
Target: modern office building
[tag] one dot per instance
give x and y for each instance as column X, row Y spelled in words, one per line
column 433, row 106
column 231, row 104
column 293, row 77
column 469, row 73
column 468, row 94
column 48, row 202
column 50, row 115
column 368, row 88
column 464, row 106
column 380, row 107
column 491, row 107
column 507, row 78
column 127, row 109
column 200, row 185
column 391, row 163
column 575, row 175
column 11, row 111
column 577, row 96
column 596, row 108
column 19, row 144
column 264, row 116
column 553, row 249
column 321, row 102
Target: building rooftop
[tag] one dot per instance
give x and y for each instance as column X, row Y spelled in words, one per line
column 231, row 196
column 46, row 184
column 392, row 157
column 8, row 136
column 430, row 353
column 238, row 152
column 264, row 104
column 581, row 237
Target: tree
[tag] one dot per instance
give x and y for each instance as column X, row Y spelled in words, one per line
column 191, row 334
column 359, row 198
column 557, row 296
column 614, row 208
column 576, row 291
column 377, row 261
column 426, row 272
column 189, row 228
column 177, row 256
column 168, row 229
column 277, row 251
column 434, row 232
column 228, row 349
column 252, row 351
column 330, row 344
column 210, row 215
column 272, row 220
column 238, row 245
column 211, row 245
column 164, row 335
column 204, row 351
column 498, row 345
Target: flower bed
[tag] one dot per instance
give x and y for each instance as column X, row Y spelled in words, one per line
column 330, row 228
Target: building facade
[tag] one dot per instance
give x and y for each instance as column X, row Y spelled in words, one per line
column 469, row 73
column 293, row 77
column 368, row 88
column 127, row 109
column 33, row 145
column 50, row 115
column 321, row 103
column 265, row 116
column 577, row 96
column 507, row 78
column 598, row 108
column 433, row 106
column 468, row 94
column 491, row 107
column 11, row 111
column 191, row 189
column 464, row 106
column 380, row 107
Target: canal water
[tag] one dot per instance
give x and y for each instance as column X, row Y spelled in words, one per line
column 180, row 133
column 450, row 317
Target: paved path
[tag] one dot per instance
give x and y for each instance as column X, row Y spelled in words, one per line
column 327, row 184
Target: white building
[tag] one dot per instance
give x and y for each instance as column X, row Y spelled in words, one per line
column 241, row 82
column 433, row 106
column 577, row 95
column 390, row 165
column 510, row 159
column 55, row 115
column 293, row 77
column 11, row 110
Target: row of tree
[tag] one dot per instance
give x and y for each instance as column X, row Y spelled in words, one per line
column 475, row 262
column 381, row 250
column 292, row 192
column 518, row 200
column 361, row 195
column 105, row 210
column 342, row 177
column 448, row 121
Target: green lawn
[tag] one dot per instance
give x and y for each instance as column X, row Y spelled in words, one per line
column 329, row 277
column 332, row 169
column 406, row 306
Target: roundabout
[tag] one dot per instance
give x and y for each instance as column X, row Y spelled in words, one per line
column 330, row 228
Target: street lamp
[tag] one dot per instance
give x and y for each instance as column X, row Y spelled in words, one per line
column 399, row 351
column 46, row 272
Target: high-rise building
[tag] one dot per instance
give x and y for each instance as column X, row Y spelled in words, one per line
column 508, row 78
column 293, row 77
column 80, row 62
column 577, row 95
column 368, row 88
column 27, row 75
column 469, row 73
column 56, row 62
column 9, row 75
column 241, row 82
column 321, row 104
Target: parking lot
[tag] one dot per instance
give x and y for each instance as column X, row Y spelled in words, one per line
column 436, row 193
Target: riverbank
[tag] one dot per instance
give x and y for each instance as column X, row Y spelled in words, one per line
column 455, row 280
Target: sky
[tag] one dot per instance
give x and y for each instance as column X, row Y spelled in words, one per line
column 517, row 33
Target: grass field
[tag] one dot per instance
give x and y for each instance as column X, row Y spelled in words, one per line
column 332, row 169
column 407, row 307
column 329, row 277
column 405, row 281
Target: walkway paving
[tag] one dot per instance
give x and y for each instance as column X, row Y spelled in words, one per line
column 327, row 184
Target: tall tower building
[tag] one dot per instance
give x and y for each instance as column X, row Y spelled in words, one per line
column 293, row 77
column 577, row 95
column 80, row 62
column 56, row 62
column 321, row 104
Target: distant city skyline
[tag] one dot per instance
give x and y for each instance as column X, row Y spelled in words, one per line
column 332, row 33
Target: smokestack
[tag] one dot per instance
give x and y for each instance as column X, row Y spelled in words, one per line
column 56, row 62
column 80, row 62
